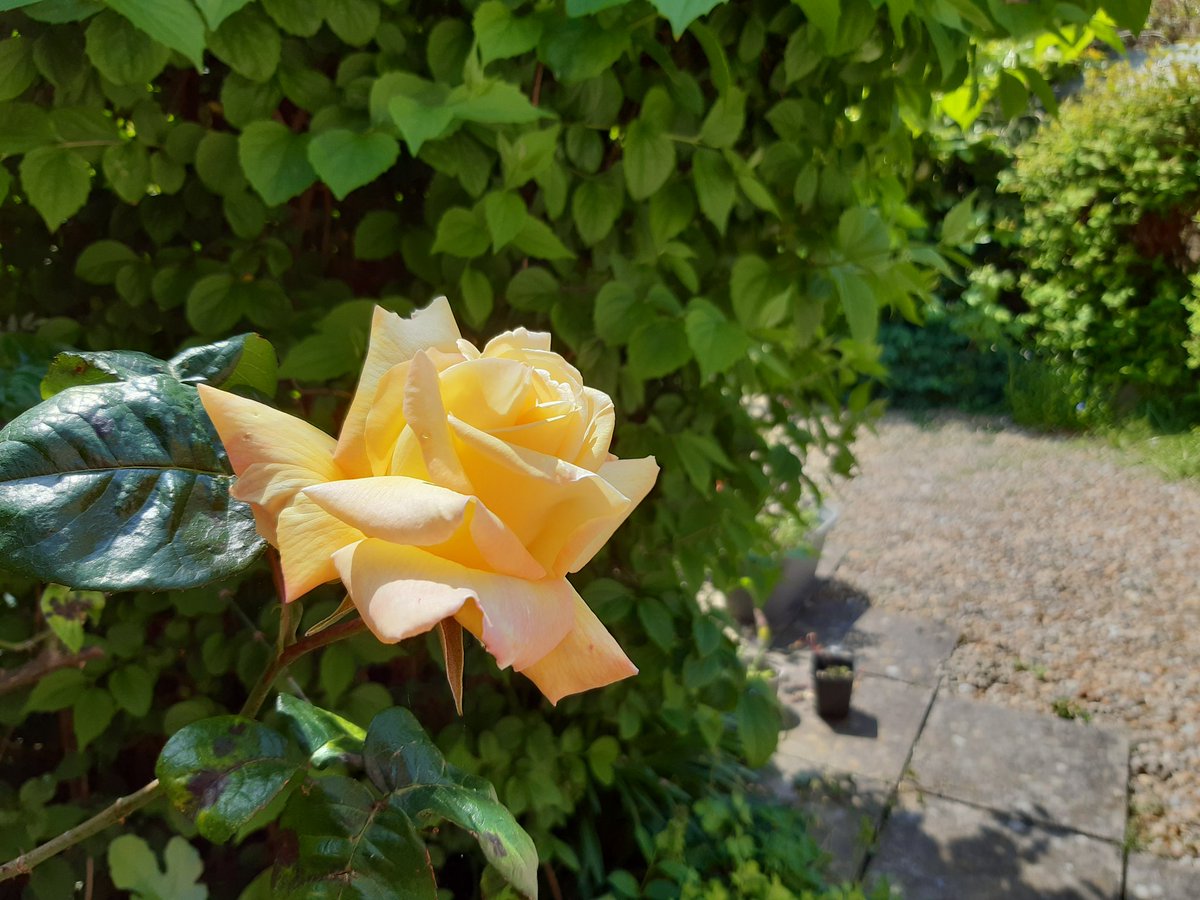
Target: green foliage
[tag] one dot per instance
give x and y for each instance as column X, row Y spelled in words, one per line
column 703, row 201
column 1111, row 187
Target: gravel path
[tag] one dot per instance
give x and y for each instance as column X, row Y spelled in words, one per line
column 1073, row 575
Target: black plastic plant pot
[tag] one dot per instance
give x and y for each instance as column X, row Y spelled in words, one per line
column 833, row 681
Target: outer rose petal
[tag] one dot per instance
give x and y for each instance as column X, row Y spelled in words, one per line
column 448, row 524
column 393, row 340
column 308, row 538
column 587, row 658
column 274, row 454
column 401, row 591
column 632, row 477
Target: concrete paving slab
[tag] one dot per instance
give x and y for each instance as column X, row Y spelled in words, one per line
column 1153, row 878
column 1047, row 769
column 845, row 815
column 874, row 741
column 937, row 849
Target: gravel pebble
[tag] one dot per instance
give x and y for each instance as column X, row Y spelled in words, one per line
column 1072, row 573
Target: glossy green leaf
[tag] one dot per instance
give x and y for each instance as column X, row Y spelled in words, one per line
column 224, row 772
column 56, row 690
column 120, row 486
column 275, row 161
column 343, row 829
column 345, row 160
column 579, row 49
column 400, row 758
column 533, row 288
column 723, row 125
column 216, row 161
column 619, row 312
column 175, row 25
column 477, row 295
column 57, row 182
column 326, row 736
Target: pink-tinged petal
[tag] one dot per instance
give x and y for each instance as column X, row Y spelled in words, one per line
column 393, row 340
column 308, row 539
column 427, row 418
column 256, row 433
column 543, row 499
column 587, row 658
column 633, row 478
column 446, row 523
column 274, row 454
column 401, row 591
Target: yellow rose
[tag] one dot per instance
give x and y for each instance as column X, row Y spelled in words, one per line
column 465, row 486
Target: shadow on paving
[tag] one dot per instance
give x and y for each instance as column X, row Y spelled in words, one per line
column 937, row 849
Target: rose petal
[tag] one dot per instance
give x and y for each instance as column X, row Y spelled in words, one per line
column 488, row 393
column 308, row 539
column 587, row 658
column 385, row 419
column 601, row 418
column 401, row 591
column 544, row 500
column 633, row 478
column 512, row 343
column 393, row 340
column 274, row 454
column 427, row 418
column 448, row 524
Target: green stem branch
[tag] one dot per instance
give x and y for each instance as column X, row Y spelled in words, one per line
column 120, row 809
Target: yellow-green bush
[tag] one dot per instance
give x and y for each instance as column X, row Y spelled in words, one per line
column 1111, row 238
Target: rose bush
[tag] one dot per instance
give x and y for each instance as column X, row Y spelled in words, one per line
column 464, row 486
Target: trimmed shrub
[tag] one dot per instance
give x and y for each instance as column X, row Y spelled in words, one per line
column 1111, row 238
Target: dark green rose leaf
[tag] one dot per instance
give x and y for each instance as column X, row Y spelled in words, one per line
column 224, row 773
column 120, row 486
column 346, row 835
column 326, row 736
column 401, row 758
